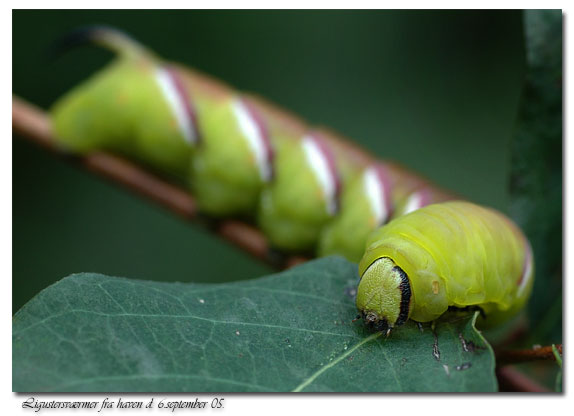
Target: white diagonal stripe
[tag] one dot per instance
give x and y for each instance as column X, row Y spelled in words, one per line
column 176, row 103
column 254, row 136
column 374, row 189
column 318, row 162
column 414, row 202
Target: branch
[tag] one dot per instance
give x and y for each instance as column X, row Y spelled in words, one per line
column 32, row 123
column 512, row 380
column 521, row 356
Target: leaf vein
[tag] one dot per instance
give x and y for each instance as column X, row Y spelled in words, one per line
column 331, row 364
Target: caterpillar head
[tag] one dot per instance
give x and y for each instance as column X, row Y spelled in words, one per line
column 384, row 296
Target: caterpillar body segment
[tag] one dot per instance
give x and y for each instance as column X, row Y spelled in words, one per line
column 449, row 254
column 136, row 106
column 233, row 161
column 304, row 195
column 365, row 205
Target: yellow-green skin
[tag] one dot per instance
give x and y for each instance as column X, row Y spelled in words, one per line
column 454, row 254
column 346, row 234
column 292, row 209
column 224, row 175
column 122, row 109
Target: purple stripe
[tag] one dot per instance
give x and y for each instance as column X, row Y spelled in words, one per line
column 425, row 197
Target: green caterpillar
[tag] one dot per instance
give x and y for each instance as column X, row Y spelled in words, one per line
column 450, row 254
column 307, row 189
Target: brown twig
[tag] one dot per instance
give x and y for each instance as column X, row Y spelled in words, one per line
column 512, row 380
column 32, row 123
column 521, row 356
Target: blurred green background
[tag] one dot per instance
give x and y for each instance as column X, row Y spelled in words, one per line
column 437, row 91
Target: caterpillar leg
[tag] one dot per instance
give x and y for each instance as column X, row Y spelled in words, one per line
column 469, row 308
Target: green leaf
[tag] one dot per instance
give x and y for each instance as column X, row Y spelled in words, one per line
column 290, row 331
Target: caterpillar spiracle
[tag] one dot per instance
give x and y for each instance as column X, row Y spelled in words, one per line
column 306, row 188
